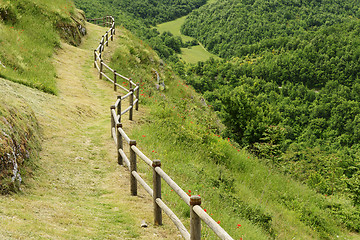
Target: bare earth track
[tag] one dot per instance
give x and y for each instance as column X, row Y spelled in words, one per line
column 78, row 190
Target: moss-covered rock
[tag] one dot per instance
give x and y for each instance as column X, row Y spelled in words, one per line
column 72, row 31
column 19, row 143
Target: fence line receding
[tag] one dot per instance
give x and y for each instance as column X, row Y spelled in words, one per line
column 118, row 134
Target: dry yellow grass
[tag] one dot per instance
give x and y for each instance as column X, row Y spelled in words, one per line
column 78, row 191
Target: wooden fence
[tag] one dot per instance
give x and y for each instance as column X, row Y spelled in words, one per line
column 111, row 74
column 197, row 213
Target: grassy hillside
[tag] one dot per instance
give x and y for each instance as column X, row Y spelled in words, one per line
column 250, row 199
column 30, row 33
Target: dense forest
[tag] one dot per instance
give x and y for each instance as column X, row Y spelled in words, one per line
column 226, row 27
column 288, row 87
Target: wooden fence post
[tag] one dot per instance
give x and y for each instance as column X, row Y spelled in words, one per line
column 112, row 34
column 101, row 68
column 103, row 21
column 107, row 39
column 115, row 80
column 131, row 101
column 137, row 96
column 112, row 119
column 100, row 50
column 119, row 108
column 95, row 59
column 133, row 182
column 114, row 28
column 157, row 193
column 119, row 143
column 195, row 221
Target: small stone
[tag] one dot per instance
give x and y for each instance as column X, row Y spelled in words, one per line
column 144, row 224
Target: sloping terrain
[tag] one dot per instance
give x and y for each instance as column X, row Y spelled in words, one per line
column 78, row 191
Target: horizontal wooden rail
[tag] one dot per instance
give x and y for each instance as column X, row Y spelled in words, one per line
column 142, row 156
column 218, row 230
column 123, row 77
column 126, row 110
column 106, row 76
column 143, row 183
column 126, row 95
column 123, row 134
column 126, row 160
column 118, row 102
column 105, row 65
column 182, row 194
column 184, row 232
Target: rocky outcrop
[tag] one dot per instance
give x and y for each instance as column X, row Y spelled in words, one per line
column 19, row 140
column 72, row 31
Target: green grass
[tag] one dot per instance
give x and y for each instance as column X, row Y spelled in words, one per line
column 189, row 55
column 196, row 54
column 29, row 37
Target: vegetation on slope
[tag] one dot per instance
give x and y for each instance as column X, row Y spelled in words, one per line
column 289, row 91
column 148, row 11
column 19, row 142
column 225, row 26
column 138, row 16
column 249, row 198
column 30, row 33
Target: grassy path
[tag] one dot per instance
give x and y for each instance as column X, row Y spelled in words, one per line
column 78, row 190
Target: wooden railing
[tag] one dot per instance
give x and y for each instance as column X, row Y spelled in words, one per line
column 197, row 213
column 110, row 74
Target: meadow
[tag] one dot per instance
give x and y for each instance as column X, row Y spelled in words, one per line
column 191, row 54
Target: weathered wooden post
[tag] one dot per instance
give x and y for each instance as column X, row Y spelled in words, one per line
column 115, row 80
column 114, row 28
column 131, row 101
column 157, row 193
column 195, row 221
column 133, row 182
column 112, row 33
column 119, row 108
column 137, row 96
column 95, row 58
column 100, row 49
column 119, row 143
column 112, row 119
column 107, row 39
column 101, row 68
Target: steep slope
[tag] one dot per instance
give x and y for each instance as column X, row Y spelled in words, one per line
column 77, row 190
column 30, row 33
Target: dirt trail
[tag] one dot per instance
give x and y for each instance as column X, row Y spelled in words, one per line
column 78, row 191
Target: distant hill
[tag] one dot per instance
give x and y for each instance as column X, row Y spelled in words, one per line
column 226, row 26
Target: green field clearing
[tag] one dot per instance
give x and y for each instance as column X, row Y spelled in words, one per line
column 189, row 55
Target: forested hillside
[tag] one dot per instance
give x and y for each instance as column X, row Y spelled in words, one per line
column 225, row 26
column 150, row 11
column 138, row 16
column 289, row 89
